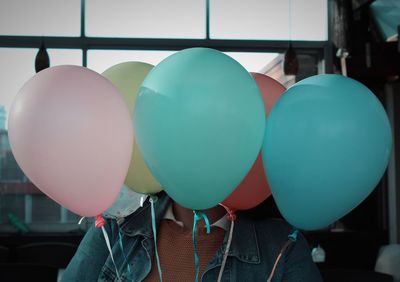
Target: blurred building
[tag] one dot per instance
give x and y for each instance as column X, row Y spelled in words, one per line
column 9, row 169
column 18, row 196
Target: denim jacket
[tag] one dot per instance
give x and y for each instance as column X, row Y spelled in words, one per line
column 254, row 248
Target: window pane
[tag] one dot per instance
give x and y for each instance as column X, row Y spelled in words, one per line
column 146, row 19
column 40, row 17
column 100, row 60
column 20, row 199
column 253, row 62
column 45, row 209
column 18, row 65
column 11, row 205
column 308, row 66
column 65, row 57
column 309, row 20
column 268, row 19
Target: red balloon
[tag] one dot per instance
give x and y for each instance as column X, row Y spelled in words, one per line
column 270, row 90
column 254, row 188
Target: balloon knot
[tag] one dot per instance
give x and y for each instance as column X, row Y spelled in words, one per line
column 100, row 222
column 293, row 236
column 231, row 216
column 153, row 198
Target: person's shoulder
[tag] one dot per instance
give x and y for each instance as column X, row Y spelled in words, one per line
column 268, row 234
column 277, row 224
column 273, row 230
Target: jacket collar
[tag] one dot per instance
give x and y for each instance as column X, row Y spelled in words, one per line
column 139, row 223
column 244, row 244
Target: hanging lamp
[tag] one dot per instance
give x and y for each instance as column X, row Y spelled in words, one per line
column 290, row 61
column 42, row 60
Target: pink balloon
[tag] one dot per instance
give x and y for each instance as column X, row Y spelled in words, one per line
column 254, row 188
column 71, row 133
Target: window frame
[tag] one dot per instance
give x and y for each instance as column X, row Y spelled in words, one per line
column 321, row 50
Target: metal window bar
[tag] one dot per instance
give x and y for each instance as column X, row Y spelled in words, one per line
column 321, row 49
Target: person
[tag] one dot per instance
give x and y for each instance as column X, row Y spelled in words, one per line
column 252, row 256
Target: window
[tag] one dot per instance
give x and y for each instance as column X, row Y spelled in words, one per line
column 100, row 60
column 269, row 19
column 253, row 62
column 17, row 66
column 21, row 203
column 40, row 17
column 146, row 19
column 58, row 22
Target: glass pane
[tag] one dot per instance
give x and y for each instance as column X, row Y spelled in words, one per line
column 309, row 20
column 100, row 60
column 18, row 65
column 20, row 200
column 40, row 17
column 73, row 218
column 65, row 57
column 146, row 19
column 269, row 19
column 308, row 66
column 253, row 62
column 11, row 207
column 45, row 209
column 9, row 170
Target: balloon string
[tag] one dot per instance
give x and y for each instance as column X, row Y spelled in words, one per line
column 292, row 237
column 153, row 199
column 198, row 216
column 80, row 220
column 123, row 252
column 110, row 251
column 228, row 246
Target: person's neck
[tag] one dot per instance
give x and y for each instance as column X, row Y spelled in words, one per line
column 185, row 215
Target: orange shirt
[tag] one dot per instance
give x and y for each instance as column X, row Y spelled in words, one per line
column 175, row 249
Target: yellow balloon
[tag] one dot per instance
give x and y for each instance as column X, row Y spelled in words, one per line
column 128, row 77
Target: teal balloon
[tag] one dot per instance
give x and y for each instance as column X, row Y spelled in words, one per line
column 199, row 122
column 327, row 144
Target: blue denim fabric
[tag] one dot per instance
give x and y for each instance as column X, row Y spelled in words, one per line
column 255, row 246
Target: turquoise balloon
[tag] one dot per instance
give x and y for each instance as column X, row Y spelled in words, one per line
column 199, row 122
column 327, row 144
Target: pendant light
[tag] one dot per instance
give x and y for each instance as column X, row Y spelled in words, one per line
column 290, row 61
column 42, row 60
